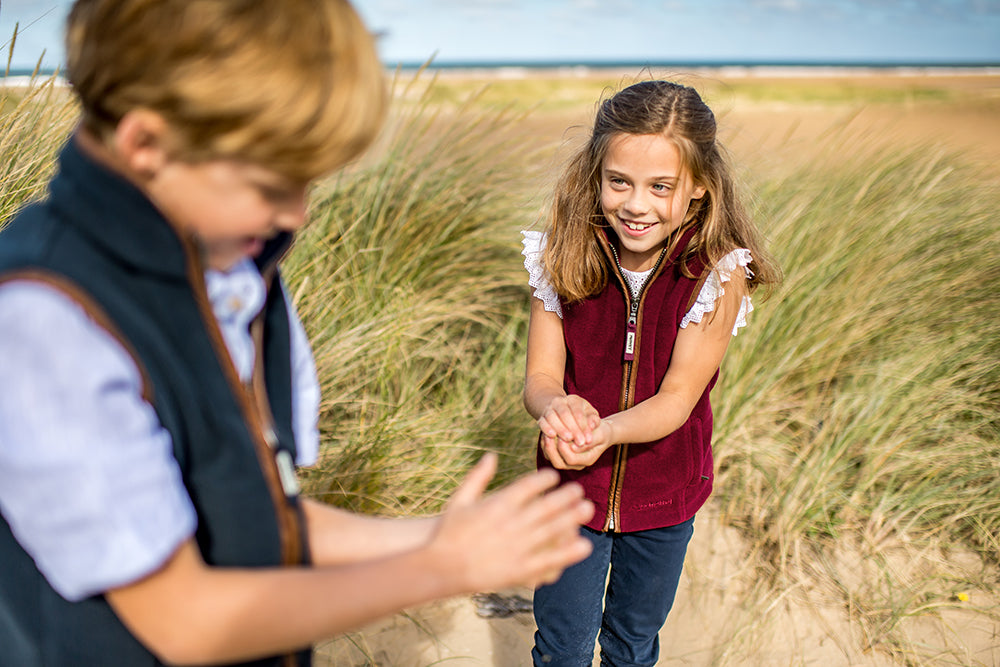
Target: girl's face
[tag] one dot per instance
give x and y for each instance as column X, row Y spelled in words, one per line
column 645, row 194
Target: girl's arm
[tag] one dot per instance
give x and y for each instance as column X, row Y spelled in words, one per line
column 190, row 613
column 697, row 355
column 561, row 418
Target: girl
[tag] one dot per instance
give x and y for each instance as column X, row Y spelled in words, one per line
column 643, row 275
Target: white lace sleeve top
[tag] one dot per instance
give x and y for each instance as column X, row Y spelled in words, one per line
column 711, row 291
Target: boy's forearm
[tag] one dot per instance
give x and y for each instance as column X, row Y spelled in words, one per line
column 523, row 534
column 197, row 615
column 338, row 537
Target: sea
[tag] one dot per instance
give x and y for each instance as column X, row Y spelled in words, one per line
column 806, row 68
column 513, row 69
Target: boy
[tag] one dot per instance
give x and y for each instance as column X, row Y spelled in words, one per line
column 157, row 388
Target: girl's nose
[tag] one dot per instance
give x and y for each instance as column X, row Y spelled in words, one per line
column 636, row 203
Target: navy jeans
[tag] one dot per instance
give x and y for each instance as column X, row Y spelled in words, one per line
column 645, row 568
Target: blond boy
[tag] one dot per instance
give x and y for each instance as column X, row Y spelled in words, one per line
column 160, row 388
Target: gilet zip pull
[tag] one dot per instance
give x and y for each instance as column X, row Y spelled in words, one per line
column 630, row 329
column 631, row 325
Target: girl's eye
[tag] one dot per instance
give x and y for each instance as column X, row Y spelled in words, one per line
column 661, row 187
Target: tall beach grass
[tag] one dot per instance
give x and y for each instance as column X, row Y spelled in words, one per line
column 407, row 279
column 859, row 417
column 34, row 121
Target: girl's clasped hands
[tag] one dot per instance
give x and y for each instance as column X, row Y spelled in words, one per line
column 573, row 434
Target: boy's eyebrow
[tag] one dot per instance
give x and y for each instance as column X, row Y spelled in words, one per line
column 275, row 181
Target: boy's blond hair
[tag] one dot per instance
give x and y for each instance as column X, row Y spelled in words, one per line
column 293, row 85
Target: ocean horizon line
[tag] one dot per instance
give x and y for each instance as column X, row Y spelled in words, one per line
column 691, row 63
column 709, row 63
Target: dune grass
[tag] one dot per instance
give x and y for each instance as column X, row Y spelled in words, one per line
column 407, row 279
column 861, row 407
column 34, row 121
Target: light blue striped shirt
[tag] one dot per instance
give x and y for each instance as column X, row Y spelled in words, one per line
column 88, row 481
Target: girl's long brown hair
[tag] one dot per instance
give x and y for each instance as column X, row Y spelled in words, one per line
column 573, row 257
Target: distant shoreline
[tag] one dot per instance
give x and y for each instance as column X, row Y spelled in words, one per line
column 509, row 71
column 762, row 68
column 23, row 78
column 727, row 68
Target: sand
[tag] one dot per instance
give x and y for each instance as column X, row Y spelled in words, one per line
column 712, row 623
column 722, row 616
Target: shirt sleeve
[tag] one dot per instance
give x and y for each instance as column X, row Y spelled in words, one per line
column 305, row 391
column 533, row 243
column 713, row 289
column 88, row 481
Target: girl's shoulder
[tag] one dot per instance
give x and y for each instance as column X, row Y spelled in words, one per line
column 533, row 249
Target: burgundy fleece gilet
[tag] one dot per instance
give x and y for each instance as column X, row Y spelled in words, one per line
column 638, row 486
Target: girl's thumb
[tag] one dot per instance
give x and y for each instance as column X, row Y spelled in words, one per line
column 475, row 482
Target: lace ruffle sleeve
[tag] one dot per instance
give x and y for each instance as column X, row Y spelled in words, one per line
column 534, row 244
column 712, row 290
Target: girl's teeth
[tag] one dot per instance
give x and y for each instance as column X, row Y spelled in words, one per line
column 636, row 226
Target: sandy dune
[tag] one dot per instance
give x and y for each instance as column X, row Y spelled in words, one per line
column 713, row 622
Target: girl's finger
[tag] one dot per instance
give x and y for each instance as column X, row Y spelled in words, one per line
column 550, row 447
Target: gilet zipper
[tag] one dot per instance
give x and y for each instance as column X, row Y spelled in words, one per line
column 629, row 356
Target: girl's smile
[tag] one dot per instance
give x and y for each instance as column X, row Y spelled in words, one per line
column 645, row 194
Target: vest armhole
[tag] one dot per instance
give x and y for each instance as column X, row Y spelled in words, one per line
column 93, row 310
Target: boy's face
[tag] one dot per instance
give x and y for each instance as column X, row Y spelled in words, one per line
column 231, row 207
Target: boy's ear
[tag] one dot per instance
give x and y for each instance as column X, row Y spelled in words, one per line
column 142, row 140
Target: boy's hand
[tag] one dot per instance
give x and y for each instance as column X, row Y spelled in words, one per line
column 526, row 533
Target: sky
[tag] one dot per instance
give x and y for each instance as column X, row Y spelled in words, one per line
column 643, row 31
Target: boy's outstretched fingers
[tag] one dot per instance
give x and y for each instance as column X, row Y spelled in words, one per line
column 523, row 534
column 549, row 529
column 563, row 510
column 476, row 480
